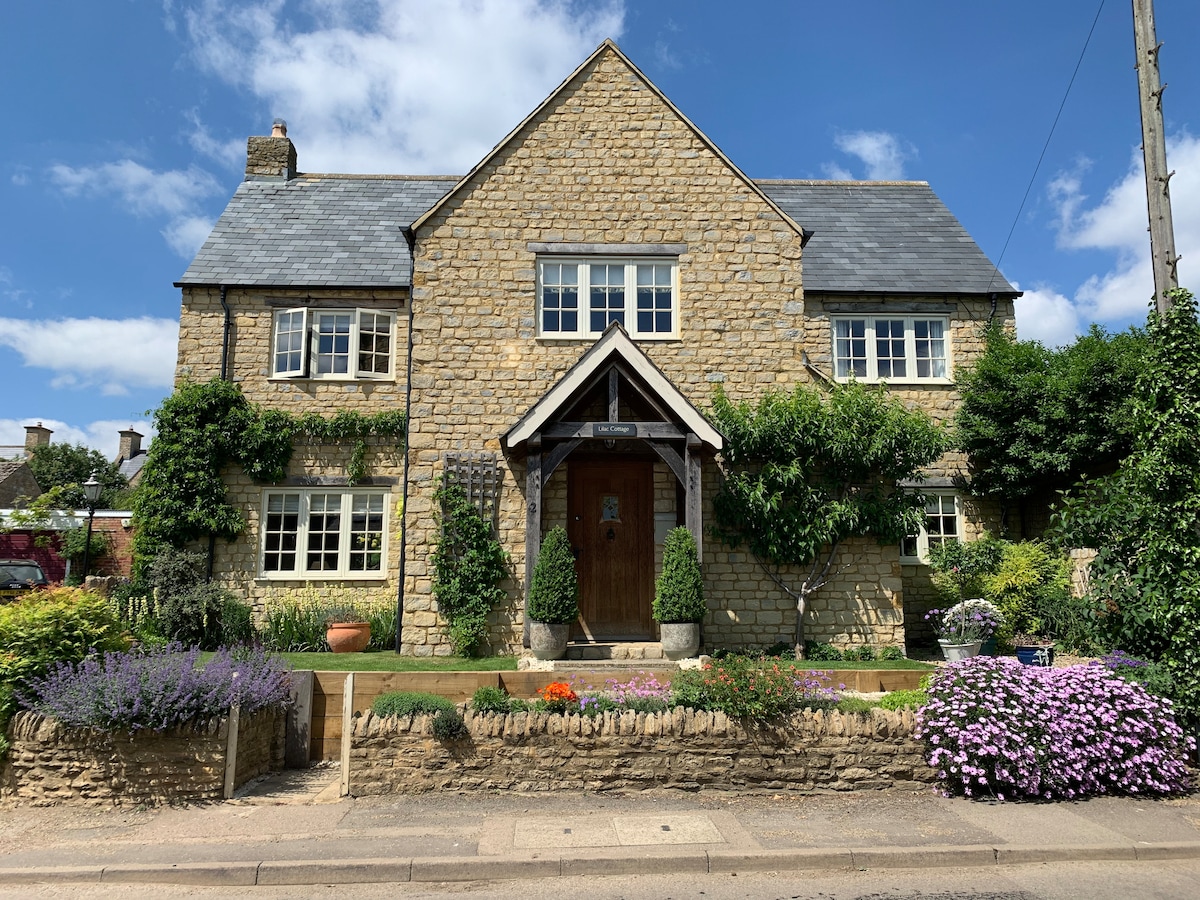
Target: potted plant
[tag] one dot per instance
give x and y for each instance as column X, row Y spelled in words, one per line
column 346, row 630
column 679, row 596
column 1033, row 649
column 553, row 601
column 962, row 629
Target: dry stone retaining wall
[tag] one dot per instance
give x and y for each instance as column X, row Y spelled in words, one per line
column 50, row 763
column 686, row 749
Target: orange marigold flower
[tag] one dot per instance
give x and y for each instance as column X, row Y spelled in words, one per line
column 558, row 692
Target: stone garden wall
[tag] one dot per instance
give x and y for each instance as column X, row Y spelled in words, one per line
column 50, row 763
column 683, row 749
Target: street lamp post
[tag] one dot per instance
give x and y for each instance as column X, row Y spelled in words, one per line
column 91, row 492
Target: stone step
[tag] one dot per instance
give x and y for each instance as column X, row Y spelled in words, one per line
column 616, row 651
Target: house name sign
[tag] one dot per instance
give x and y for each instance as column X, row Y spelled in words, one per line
column 614, row 429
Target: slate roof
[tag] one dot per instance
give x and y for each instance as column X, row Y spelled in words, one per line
column 346, row 231
column 316, row 231
column 883, row 237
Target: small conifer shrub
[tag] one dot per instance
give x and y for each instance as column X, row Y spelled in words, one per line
column 679, row 591
column 554, row 588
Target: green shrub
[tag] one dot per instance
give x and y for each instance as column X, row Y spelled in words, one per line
column 1031, row 587
column 237, row 622
column 903, row 700
column 469, row 565
column 960, row 568
column 448, row 725
column 133, row 602
column 294, row 624
column 554, row 587
column 860, row 653
column 409, row 703
column 821, row 651
column 490, row 699
column 193, row 616
column 891, row 653
column 749, row 689
column 679, row 590
column 53, row 626
column 382, row 616
column 857, row 705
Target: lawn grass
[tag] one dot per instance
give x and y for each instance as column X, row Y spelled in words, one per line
column 389, row 661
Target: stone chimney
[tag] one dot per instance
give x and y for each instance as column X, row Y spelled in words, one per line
column 36, row 436
column 131, row 444
column 271, row 158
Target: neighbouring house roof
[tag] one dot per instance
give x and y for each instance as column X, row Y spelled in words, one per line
column 873, row 237
column 317, row 231
column 884, row 237
column 16, row 481
column 613, row 345
column 132, row 467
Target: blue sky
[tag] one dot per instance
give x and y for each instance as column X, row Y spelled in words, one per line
column 125, row 125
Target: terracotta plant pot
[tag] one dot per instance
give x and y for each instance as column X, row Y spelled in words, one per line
column 348, row 637
column 548, row 641
column 680, row 640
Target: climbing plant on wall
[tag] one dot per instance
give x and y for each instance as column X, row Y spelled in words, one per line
column 204, row 427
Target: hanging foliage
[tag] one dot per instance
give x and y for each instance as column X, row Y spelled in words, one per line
column 204, row 427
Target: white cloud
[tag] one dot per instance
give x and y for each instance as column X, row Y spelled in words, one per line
column 1047, row 316
column 230, row 153
column 1117, row 224
column 176, row 195
column 101, row 435
column 113, row 354
column 882, row 154
column 397, row 86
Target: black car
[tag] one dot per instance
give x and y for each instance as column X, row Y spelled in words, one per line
column 18, row 576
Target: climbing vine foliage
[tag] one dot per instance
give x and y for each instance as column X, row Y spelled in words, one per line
column 204, row 427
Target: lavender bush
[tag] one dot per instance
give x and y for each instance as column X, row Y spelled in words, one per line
column 993, row 727
column 157, row 689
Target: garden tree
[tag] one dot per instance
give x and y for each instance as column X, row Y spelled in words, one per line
column 38, row 515
column 1144, row 520
column 806, row 472
column 68, row 466
column 1035, row 420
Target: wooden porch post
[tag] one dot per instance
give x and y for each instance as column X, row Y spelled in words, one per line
column 533, row 517
column 693, row 515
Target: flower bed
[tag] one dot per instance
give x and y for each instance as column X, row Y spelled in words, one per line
column 680, row 748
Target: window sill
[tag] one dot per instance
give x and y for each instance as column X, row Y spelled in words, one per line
column 302, row 578
column 356, row 379
column 908, row 383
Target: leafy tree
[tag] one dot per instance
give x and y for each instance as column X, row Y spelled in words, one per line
column 68, row 466
column 1144, row 520
column 806, row 472
column 1034, row 419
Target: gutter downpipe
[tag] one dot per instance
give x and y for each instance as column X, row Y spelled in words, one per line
column 411, row 239
column 226, row 326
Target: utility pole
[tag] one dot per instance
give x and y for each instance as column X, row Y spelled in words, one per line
column 1154, row 152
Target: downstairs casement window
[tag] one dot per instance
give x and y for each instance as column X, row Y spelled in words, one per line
column 324, row 533
column 333, row 343
column 579, row 298
column 891, row 348
column 943, row 522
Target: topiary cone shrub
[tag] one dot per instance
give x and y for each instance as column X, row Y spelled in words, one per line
column 554, row 588
column 679, row 590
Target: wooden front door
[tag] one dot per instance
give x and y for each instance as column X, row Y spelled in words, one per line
column 610, row 507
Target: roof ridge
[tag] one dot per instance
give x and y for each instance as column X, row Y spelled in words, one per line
column 351, row 176
column 845, row 181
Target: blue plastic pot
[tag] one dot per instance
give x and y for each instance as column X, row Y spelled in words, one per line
column 1036, row 656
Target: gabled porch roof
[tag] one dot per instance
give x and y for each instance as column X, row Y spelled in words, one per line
column 614, row 346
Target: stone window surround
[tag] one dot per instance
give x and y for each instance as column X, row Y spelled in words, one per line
column 629, row 255
column 308, row 349
column 343, row 572
column 922, row 537
column 909, row 317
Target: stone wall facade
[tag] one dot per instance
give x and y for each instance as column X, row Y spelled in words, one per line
column 684, row 749
column 50, row 763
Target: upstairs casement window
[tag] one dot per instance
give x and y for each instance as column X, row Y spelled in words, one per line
column 579, row 298
column 333, row 343
column 322, row 533
column 891, row 348
column 943, row 522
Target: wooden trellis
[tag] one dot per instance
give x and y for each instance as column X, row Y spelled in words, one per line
column 479, row 477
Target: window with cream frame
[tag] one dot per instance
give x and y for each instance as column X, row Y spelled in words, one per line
column 891, row 348
column 347, row 344
column 943, row 522
column 580, row 297
column 324, row 533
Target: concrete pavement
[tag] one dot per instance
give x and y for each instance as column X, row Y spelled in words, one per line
column 294, row 829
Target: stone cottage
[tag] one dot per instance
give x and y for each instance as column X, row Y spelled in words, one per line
column 554, row 323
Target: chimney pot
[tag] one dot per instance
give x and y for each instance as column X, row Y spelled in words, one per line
column 279, row 128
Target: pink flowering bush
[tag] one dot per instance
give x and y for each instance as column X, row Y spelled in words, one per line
column 994, row 727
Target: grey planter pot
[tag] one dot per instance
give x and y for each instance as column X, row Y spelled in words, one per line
column 680, row 640
column 548, row 641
